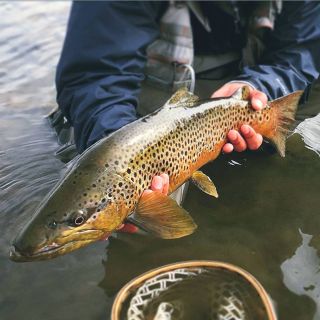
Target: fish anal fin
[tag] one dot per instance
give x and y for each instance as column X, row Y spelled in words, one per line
column 163, row 217
column 204, row 183
column 285, row 108
column 182, row 98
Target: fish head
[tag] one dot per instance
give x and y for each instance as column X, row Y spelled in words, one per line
column 71, row 217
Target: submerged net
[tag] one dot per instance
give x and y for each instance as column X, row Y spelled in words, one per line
column 197, row 293
column 153, row 287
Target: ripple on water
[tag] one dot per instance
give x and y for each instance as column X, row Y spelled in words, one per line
column 31, row 38
column 28, row 169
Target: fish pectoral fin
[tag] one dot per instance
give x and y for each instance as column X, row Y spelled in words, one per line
column 204, row 183
column 242, row 93
column 163, row 217
column 182, row 98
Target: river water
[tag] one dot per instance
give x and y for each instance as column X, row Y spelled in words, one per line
column 266, row 219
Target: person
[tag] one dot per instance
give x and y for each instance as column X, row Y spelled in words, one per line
column 112, row 49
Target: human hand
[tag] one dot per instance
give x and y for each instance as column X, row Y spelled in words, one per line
column 159, row 184
column 247, row 137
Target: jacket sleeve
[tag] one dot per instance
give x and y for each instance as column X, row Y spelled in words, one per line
column 291, row 60
column 101, row 66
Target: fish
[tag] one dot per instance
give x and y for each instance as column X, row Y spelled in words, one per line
column 104, row 187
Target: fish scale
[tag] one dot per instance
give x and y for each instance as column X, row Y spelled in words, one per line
column 105, row 184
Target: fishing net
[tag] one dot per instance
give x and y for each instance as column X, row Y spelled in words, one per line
column 214, row 291
column 153, row 287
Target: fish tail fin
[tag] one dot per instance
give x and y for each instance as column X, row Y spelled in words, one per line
column 285, row 108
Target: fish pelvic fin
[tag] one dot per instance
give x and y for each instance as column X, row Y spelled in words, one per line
column 285, row 108
column 204, row 183
column 182, row 98
column 163, row 217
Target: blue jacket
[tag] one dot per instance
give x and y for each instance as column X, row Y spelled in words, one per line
column 101, row 66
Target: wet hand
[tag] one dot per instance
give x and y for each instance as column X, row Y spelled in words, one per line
column 158, row 184
column 247, row 137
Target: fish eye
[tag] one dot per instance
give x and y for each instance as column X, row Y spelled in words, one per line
column 79, row 220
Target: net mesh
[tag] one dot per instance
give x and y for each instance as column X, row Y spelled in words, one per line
column 196, row 293
column 152, row 288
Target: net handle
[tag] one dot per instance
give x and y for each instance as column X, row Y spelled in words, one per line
column 136, row 282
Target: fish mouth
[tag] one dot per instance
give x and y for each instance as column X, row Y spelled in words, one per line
column 52, row 250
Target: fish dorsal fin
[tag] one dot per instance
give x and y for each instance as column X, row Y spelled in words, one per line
column 242, row 93
column 163, row 217
column 204, row 183
column 182, row 98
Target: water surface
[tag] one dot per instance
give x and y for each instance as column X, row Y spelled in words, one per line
column 266, row 219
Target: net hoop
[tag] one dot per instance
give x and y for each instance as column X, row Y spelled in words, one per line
column 131, row 286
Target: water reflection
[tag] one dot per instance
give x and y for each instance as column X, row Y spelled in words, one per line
column 309, row 130
column 301, row 272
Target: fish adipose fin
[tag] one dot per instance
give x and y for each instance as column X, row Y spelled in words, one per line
column 182, row 98
column 242, row 93
column 286, row 108
column 163, row 217
column 204, row 183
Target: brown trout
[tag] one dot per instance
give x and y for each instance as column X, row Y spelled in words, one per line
column 104, row 186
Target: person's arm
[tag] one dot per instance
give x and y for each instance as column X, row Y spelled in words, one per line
column 101, row 66
column 291, row 60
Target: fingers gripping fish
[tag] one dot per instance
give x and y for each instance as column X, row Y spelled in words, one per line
column 105, row 185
